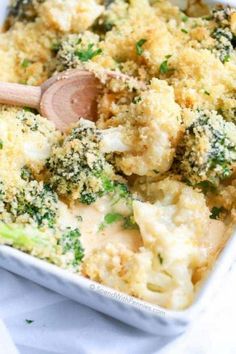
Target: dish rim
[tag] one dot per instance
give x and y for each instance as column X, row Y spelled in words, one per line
column 220, row 267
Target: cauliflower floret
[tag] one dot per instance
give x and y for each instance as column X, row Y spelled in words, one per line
column 151, row 130
column 26, row 141
column 177, row 207
column 108, row 265
column 173, row 231
column 170, row 287
column 23, row 10
column 70, row 16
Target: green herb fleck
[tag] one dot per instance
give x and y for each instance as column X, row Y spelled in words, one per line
column 31, row 110
column 88, row 54
column 164, row 67
column 29, row 321
column 184, row 18
column 184, row 30
column 207, row 93
column 138, row 46
column 226, row 59
column 1, row 144
column 109, row 219
column 25, row 63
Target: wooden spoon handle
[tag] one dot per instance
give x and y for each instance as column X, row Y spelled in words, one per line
column 20, row 95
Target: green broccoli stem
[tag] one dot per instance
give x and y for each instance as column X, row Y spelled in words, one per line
column 26, row 239
column 44, row 245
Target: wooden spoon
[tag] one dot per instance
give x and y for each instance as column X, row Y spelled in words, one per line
column 64, row 98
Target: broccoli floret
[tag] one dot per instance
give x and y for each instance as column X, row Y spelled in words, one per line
column 35, row 221
column 222, row 15
column 26, row 174
column 78, row 166
column 224, row 47
column 225, row 39
column 35, row 203
column 207, row 152
column 70, row 242
column 27, row 238
column 107, row 20
column 76, row 49
column 66, row 252
column 23, row 10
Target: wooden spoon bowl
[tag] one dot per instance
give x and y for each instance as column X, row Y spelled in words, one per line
column 69, row 96
column 64, row 98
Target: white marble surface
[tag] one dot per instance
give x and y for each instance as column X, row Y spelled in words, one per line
column 65, row 327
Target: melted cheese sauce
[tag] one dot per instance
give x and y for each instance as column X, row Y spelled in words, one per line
column 92, row 217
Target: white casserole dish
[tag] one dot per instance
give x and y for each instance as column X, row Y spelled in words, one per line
column 140, row 314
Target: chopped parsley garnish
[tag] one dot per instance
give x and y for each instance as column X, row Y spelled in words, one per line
column 184, row 18
column 109, row 219
column 29, row 321
column 112, row 217
column 139, row 46
column 25, row 63
column 207, row 93
column 1, row 144
column 184, row 30
column 31, row 110
column 226, row 59
column 164, row 67
column 88, row 54
column 215, row 212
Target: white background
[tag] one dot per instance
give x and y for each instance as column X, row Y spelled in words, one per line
column 63, row 326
